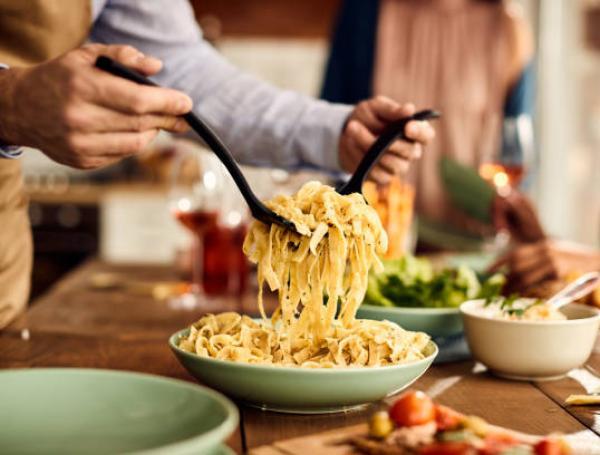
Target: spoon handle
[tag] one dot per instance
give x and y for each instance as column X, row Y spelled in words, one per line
column 575, row 290
column 204, row 131
column 390, row 133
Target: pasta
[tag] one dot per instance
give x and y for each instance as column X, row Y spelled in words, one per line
column 338, row 240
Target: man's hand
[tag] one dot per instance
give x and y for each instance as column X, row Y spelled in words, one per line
column 83, row 117
column 529, row 264
column 364, row 125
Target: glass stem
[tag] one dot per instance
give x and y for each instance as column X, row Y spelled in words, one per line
column 197, row 264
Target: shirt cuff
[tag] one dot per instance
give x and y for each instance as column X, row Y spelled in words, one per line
column 9, row 151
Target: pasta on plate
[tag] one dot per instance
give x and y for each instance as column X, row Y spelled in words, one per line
column 320, row 273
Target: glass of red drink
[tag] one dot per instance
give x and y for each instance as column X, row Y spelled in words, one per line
column 205, row 201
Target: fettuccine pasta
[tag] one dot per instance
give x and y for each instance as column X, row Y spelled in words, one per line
column 338, row 240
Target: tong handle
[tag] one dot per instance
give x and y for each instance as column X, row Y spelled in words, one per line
column 199, row 126
column 390, row 133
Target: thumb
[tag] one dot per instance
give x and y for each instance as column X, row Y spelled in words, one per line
column 128, row 56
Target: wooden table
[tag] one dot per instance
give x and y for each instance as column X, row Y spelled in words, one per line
column 76, row 326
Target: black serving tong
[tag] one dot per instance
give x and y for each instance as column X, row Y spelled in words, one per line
column 389, row 134
column 259, row 211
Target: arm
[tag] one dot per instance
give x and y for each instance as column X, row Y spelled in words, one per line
column 260, row 123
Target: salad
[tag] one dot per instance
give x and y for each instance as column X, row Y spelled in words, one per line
column 413, row 282
column 415, row 424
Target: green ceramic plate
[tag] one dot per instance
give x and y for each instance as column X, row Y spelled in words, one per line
column 75, row 411
column 437, row 322
column 301, row 390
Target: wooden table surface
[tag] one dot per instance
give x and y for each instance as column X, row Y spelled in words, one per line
column 75, row 325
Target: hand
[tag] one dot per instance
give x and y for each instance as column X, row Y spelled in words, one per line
column 368, row 120
column 531, row 263
column 516, row 214
column 83, row 117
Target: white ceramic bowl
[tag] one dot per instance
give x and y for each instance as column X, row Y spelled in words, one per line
column 531, row 350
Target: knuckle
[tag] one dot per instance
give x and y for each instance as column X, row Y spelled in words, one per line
column 73, row 118
column 125, row 51
column 139, row 105
column 74, row 82
column 74, row 145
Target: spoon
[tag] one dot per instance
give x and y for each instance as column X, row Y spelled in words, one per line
column 259, row 211
column 390, row 133
column 579, row 288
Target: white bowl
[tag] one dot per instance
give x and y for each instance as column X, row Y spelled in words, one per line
column 531, row 350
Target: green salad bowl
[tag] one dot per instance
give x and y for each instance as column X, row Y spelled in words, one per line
column 301, row 390
column 436, row 322
column 75, row 411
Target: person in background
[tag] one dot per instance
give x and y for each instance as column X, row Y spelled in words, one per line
column 470, row 59
column 54, row 99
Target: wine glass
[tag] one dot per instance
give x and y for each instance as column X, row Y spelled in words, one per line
column 505, row 167
column 197, row 186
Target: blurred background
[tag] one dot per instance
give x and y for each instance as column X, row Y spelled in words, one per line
column 124, row 214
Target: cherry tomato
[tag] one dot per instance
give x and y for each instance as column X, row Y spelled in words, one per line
column 497, row 442
column 412, row 408
column 447, row 418
column 448, row 448
column 548, row 447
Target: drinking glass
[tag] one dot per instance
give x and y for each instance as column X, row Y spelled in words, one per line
column 197, row 186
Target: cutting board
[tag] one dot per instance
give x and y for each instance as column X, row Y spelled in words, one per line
column 332, row 442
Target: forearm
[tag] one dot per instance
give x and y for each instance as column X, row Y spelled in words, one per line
column 261, row 123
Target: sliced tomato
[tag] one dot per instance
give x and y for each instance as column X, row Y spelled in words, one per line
column 447, row 418
column 549, row 447
column 412, row 408
column 448, row 448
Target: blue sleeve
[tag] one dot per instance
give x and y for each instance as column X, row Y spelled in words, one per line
column 520, row 99
column 349, row 72
column 518, row 145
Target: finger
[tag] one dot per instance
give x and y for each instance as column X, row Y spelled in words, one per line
column 386, row 109
column 360, row 135
column 97, row 119
column 111, row 145
column 131, row 98
column 394, row 164
column 535, row 276
column 529, row 249
column 420, row 131
column 380, row 176
column 406, row 150
column 351, row 156
column 126, row 55
column 367, row 117
column 526, row 264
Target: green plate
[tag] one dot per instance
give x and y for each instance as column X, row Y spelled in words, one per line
column 75, row 411
column 301, row 390
column 437, row 322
